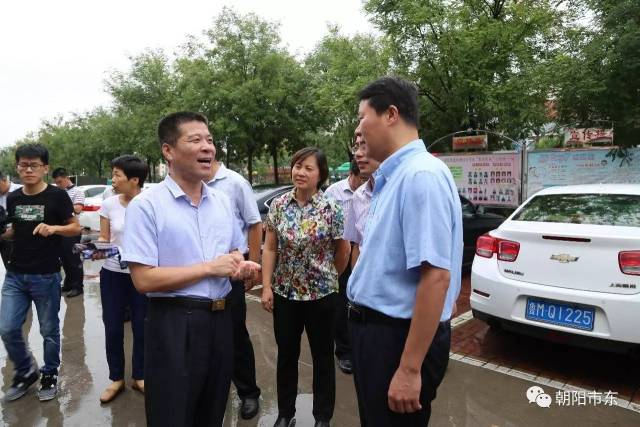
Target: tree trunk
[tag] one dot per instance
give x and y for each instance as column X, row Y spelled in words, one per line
column 274, row 155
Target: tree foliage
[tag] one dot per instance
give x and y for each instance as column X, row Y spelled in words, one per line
column 599, row 73
column 491, row 64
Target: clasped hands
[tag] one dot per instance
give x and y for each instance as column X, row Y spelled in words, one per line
column 235, row 267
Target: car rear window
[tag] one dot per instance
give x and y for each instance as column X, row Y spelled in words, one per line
column 597, row 209
column 95, row 191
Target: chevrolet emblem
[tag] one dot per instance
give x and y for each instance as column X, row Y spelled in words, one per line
column 564, row 258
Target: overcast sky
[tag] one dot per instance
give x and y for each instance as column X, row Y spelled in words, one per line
column 55, row 55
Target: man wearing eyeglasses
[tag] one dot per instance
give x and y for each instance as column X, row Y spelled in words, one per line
column 41, row 215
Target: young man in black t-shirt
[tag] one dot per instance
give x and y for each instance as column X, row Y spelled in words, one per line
column 40, row 215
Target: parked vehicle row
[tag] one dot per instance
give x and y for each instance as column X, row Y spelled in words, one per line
column 94, row 195
column 475, row 221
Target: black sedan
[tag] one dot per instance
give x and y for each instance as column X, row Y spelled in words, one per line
column 475, row 220
column 264, row 196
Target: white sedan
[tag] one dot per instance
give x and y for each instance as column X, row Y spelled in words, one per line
column 89, row 217
column 565, row 266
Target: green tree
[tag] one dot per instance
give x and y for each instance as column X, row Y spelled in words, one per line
column 338, row 68
column 598, row 73
column 253, row 90
column 142, row 96
column 477, row 63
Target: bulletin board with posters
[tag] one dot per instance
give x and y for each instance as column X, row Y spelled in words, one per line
column 486, row 178
column 588, row 166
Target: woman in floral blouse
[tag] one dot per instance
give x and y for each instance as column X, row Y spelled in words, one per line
column 302, row 257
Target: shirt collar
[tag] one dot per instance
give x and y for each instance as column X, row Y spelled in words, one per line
column 368, row 186
column 390, row 165
column 315, row 199
column 346, row 187
column 221, row 173
column 177, row 192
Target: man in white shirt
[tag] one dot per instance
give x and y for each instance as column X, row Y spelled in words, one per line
column 71, row 263
column 342, row 192
column 6, row 187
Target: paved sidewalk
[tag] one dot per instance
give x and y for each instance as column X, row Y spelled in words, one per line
column 470, row 396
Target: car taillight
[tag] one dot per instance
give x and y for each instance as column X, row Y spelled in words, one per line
column 629, row 262
column 508, row 250
column 90, row 208
column 487, row 245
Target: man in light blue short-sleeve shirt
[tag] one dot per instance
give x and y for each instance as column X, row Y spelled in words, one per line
column 407, row 278
column 181, row 242
column 171, row 231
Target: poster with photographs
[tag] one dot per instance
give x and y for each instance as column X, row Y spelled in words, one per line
column 486, row 179
column 589, row 166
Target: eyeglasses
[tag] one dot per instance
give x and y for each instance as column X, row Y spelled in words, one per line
column 32, row 166
column 355, row 147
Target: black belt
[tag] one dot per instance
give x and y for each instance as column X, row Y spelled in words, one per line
column 198, row 303
column 362, row 314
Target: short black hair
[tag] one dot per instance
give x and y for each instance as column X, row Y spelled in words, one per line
column 391, row 90
column 32, row 151
column 353, row 168
column 168, row 132
column 321, row 159
column 2, row 176
column 132, row 167
column 59, row 172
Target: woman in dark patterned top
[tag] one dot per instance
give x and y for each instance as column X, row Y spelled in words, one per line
column 304, row 253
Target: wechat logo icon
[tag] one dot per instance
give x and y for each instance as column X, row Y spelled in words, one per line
column 536, row 394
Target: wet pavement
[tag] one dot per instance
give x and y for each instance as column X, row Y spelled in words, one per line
column 475, row 392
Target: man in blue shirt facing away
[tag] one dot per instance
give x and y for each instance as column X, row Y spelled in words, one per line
column 181, row 242
column 407, row 278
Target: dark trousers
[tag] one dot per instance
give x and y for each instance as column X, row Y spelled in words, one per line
column 244, row 362
column 6, row 247
column 117, row 293
column 343, row 345
column 377, row 348
column 290, row 318
column 188, row 361
column 71, row 264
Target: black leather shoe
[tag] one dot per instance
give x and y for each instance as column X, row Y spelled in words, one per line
column 249, row 408
column 322, row 424
column 345, row 366
column 285, row 422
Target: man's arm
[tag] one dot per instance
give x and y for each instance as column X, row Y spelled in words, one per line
column 254, row 237
column 255, row 241
column 404, row 390
column 341, row 256
column 8, row 235
column 355, row 253
column 71, row 229
column 78, row 201
column 161, row 279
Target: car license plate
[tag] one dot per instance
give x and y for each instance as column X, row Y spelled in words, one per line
column 571, row 316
